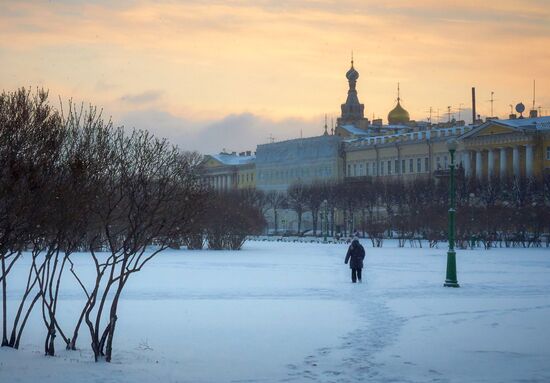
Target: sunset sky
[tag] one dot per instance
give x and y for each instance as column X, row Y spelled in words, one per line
column 228, row 74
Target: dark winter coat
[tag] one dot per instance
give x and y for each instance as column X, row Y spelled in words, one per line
column 355, row 255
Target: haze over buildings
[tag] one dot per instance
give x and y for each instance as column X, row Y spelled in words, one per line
column 230, row 74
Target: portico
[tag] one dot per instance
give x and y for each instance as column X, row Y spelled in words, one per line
column 501, row 149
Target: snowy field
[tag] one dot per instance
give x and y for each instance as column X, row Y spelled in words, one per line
column 282, row 312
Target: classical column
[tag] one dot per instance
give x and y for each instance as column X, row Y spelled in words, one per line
column 529, row 160
column 466, row 163
column 479, row 168
column 490, row 163
column 515, row 160
column 502, row 162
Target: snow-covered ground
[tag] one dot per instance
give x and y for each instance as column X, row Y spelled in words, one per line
column 287, row 312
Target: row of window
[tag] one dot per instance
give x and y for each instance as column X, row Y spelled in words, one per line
column 249, row 178
column 295, row 173
column 389, row 167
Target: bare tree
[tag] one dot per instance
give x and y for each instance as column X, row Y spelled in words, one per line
column 276, row 201
column 297, row 201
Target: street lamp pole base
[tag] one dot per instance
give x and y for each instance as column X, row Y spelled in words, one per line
column 451, row 280
column 451, row 284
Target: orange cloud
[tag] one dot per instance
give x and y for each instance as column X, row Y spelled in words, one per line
column 279, row 59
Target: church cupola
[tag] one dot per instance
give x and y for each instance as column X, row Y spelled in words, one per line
column 352, row 110
column 398, row 115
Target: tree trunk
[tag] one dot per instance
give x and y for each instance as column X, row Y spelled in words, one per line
column 4, row 304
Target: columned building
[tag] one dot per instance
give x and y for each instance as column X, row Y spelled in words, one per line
column 229, row 171
column 504, row 148
column 401, row 155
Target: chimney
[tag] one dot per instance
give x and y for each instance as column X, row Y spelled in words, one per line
column 473, row 105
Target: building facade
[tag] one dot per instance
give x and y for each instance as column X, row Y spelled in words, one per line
column 303, row 160
column 403, row 149
column 230, row 171
column 517, row 147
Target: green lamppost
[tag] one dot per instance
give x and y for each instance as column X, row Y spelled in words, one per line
column 451, row 280
column 325, row 203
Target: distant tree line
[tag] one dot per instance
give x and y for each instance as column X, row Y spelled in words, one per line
column 74, row 186
column 513, row 213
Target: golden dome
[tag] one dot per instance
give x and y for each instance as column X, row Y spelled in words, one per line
column 398, row 115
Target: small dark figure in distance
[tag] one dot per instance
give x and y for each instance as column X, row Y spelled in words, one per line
column 355, row 256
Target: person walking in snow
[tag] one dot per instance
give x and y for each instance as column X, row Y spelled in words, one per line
column 355, row 256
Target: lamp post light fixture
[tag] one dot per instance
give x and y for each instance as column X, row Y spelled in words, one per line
column 451, row 280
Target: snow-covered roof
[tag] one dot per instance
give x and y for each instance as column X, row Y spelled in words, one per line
column 352, row 129
column 518, row 124
column 540, row 123
column 396, row 127
column 298, row 150
column 233, row 159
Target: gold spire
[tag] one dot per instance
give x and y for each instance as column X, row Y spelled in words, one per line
column 398, row 98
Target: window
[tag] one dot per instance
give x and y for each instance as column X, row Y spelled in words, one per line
column 354, row 169
column 361, row 170
column 445, row 162
column 438, row 162
column 426, row 164
column 349, row 170
column 411, row 166
column 382, row 168
column 252, row 177
column 419, row 165
column 389, row 167
column 548, row 153
column 403, row 166
column 396, row 166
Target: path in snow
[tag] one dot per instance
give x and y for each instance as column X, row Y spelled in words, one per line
column 281, row 312
column 492, row 329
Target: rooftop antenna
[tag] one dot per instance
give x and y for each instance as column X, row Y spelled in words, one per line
column 460, row 109
column 270, row 139
column 449, row 113
column 438, row 115
column 533, row 94
column 511, row 109
column 332, row 124
column 326, row 127
column 430, row 111
column 492, row 100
